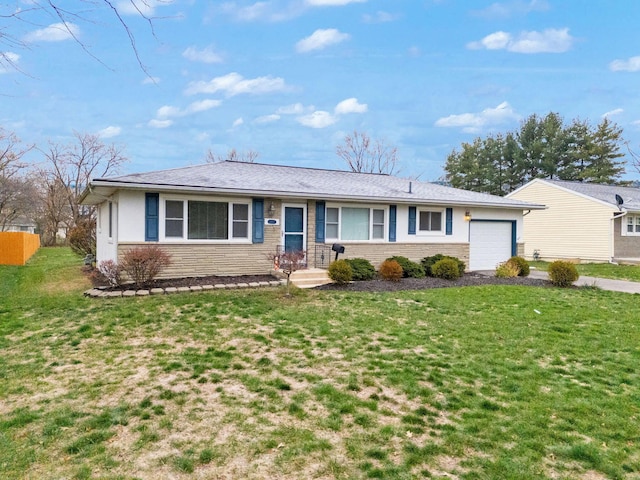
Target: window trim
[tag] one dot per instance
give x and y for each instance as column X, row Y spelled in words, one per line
column 431, row 233
column 371, row 208
column 185, row 199
column 635, row 218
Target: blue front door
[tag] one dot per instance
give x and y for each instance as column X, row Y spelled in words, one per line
column 293, row 228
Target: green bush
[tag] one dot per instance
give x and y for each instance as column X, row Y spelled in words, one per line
column 428, row 263
column 562, row 274
column 340, row 272
column 522, row 265
column 409, row 268
column 446, row 268
column 362, row 268
column 391, row 270
column 507, row 269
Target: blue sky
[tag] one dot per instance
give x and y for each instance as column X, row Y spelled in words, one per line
column 290, row 78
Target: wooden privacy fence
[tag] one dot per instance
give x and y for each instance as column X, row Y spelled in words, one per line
column 17, row 247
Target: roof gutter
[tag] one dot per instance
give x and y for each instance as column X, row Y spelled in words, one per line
column 276, row 193
column 612, row 237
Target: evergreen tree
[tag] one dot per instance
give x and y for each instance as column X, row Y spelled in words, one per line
column 543, row 147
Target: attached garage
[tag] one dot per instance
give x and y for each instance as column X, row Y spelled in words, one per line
column 490, row 243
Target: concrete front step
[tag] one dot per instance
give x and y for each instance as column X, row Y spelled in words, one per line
column 310, row 277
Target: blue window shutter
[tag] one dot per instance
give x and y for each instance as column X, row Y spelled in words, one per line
column 514, row 238
column 320, row 218
column 449, row 221
column 152, row 204
column 258, row 221
column 393, row 212
column 412, row 220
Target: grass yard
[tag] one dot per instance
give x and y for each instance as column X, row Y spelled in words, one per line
column 468, row 383
column 603, row 270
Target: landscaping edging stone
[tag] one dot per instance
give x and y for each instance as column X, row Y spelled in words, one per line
column 145, row 292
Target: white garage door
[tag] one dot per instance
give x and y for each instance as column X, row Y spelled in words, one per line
column 489, row 244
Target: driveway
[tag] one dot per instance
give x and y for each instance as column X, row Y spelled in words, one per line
column 603, row 283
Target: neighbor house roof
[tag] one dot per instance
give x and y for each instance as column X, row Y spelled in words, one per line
column 604, row 193
column 242, row 178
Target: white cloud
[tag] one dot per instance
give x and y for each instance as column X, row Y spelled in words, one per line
column 144, row 7
column 110, row 132
column 56, row 32
column 168, row 111
column 155, row 123
column 317, row 119
column 237, row 122
column 206, row 55
column 616, row 111
column 549, row 41
column 267, row 118
column 8, row 61
column 257, row 11
column 473, row 122
column 320, row 39
column 630, row 65
column 332, row 3
column 350, row 105
column 516, row 7
column 294, row 109
column 379, row 17
column 235, row 84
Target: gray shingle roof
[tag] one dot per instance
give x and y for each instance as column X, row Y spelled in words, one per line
column 275, row 180
column 604, row 193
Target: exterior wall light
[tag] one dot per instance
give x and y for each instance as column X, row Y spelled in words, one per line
column 467, row 216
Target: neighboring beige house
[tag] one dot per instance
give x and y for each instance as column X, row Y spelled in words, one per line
column 583, row 221
column 226, row 218
column 20, row 224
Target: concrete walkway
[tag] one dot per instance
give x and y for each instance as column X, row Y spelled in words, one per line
column 603, row 283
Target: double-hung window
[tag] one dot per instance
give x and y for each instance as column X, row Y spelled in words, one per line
column 355, row 223
column 203, row 220
column 633, row 224
column 430, row 221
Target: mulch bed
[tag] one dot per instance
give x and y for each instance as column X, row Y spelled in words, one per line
column 468, row 279
column 376, row 285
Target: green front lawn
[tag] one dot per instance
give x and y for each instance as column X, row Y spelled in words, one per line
column 603, row 270
column 469, row 383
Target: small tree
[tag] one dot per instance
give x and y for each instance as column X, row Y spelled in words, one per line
column 288, row 262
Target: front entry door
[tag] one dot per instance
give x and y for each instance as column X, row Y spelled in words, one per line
column 294, row 232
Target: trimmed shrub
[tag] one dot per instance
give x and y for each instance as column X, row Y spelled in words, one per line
column 446, row 268
column 362, row 268
column 82, row 237
column 391, row 270
column 522, row 265
column 409, row 268
column 340, row 272
column 507, row 269
column 428, row 263
column 143, row 264
column 110, row 272
column 562, row 274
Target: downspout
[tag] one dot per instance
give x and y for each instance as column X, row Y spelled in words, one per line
column 613, row 233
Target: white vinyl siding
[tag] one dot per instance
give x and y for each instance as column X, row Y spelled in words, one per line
column 572, row 226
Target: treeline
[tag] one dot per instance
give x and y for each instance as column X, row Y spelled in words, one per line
column 543, row 147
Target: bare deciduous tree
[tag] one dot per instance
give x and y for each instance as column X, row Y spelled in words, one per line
column 67, row 172
column 366, row 155
column 16, row 191
column 249, row 156
column 67, row 17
